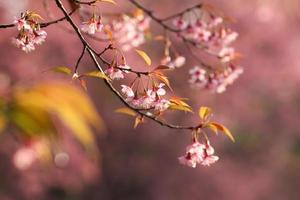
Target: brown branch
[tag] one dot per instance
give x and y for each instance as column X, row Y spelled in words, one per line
column 42, row 25
column 93, row 55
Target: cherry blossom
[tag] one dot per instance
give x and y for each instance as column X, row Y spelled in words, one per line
column 197, row 76
column 208, row 157
column 214, row 81
column 93, row 25
column 30, row 33
column 114, row 73
column 130, row 31
column 194, row 155
column 209, row 33
column 128, row 92
column 178, row 62
column 162, row 105
column 198, row 153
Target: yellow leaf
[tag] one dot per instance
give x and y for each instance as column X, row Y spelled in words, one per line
column 64, row 70
column 144, row 56
column 180, row 107
column 108, row 1
column 223, row 129
column 97, row 74
column 126, row 111
column 212, row 127
column 159, row 75
column 67, row 103
column 180, row 101
column 205, row 112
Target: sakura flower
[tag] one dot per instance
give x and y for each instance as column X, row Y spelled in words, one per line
column 180, row 23
column 30, row 33
column 177, row 63
column 130, row 31
column 22, row 24
column 194, row 155
column 40, row 37
column 128, row 92
column 23, row 43
column 114, row 73
column 198, row 153
column 160, row 91
column 93, row 25
column 162, row 105
column 208, row 157
column 197, row 76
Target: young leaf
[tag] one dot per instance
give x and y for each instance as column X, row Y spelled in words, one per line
column 180, row 107
column 144, row 56
column 222, row 128
column 212, row 127
column 64, row 70
column 126, row 111
column 204, row 112
column 97, row 74
column 159, row 75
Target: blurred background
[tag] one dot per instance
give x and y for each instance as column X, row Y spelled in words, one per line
column 262, row 109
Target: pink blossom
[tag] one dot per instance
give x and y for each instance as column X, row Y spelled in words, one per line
column 160, row 91
column 162, row 105
column 23, row 43
column 92, row 26
column 197, row 76
column 178, row 62
column 114, row 73
column 180, row 23
column 208, row 157
column 29, row 35
column 22, row 24
column 130, row 31
column 128, row 92
column 194, row 155
column 40, row 37
column 198, row 153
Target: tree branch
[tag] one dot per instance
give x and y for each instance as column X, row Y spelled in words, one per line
column 93, row 55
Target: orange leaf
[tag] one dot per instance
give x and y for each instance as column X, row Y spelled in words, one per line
column 126, row 111
column 223, row 129
column 145, row 56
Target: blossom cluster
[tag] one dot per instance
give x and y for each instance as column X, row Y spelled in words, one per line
column 130, row 31
column 209, row 33
column 198, row 153
column 215, row 81
column 30, row 33
column 149, row 98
